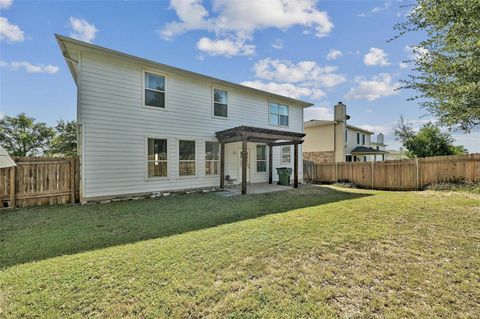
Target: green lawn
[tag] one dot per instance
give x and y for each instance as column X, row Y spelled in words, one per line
column 312, row 252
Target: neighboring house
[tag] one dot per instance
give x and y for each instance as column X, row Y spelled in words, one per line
column 396, row 154
column 5, row 159
column 148, row 127
column 337, row 141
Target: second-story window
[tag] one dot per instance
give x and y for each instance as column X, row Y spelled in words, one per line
column 278, row 114
column 363, row 139
column 154, row 90
column 220, row 103
column 358, row 138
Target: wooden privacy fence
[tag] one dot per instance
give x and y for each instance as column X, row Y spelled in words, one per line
column 40, row 181
column 409, row 174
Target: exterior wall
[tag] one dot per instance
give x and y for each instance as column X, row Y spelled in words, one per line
column 319, row 138
column 320, row 157
column 115, row 126
column 352, row 139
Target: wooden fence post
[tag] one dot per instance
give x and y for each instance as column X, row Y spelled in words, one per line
column 372, row 174
column 72, row 180
column 416, row 164
column 12, row 187
column 336, row 172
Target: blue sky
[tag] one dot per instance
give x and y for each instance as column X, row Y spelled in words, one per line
column 319, row 51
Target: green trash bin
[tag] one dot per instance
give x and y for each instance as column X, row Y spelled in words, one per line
column 284, row 175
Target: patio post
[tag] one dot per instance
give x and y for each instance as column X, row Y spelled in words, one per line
column 270, row 163
column 244, row 166
column 222, row 165
column 295, row 164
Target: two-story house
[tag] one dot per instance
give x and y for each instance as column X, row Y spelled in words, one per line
column 337, row 141
column 148, row 127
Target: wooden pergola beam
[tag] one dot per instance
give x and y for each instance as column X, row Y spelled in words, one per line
column 244, row 167
column 285, row 143
column 270, row 164
column 222, row 165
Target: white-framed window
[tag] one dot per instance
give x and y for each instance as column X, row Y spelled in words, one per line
column 212, row 158
column 186, row 158
column 358, row 138
column 261, row 158
column 278, row 114
column 157, row 157
column 286, row 154
column 363, row 139
column 220, row 103
column 154, row 90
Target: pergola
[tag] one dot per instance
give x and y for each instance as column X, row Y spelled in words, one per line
column 269, row 137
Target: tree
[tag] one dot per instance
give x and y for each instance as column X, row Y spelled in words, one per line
column 428, row 141
column 447, row 64
column 21, row 136
column 65, row 141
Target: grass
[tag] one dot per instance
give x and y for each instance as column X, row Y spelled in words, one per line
column 313, row 252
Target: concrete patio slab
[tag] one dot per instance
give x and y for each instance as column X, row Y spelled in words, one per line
column 255, row 188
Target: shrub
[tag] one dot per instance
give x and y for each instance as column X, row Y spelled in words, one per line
column 459, row 185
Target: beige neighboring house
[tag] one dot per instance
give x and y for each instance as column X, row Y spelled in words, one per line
column 396, row 154
column 337, row 141
column 5, row 159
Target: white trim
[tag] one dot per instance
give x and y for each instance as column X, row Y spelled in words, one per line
column 143, row 71
column 145, row 159
column 213, row 103
column 269, row 113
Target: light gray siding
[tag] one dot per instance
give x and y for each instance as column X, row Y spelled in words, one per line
column 115, row 126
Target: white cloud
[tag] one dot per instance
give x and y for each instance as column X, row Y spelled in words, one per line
column 82, row 29
column 1, row 115
column 226, row 47
column 29, row 67
column 377, row 9
column 379, row 86
column 245, row 17
column 239, row 19
column 403, row 65
column 333, row 54
column 416, row 52
column 317, row 113
column 277, row 44
column 384, row 129
column 10, row 32
column 376, row 56
column 286, row 89
column 5, row 4
column 307, row 72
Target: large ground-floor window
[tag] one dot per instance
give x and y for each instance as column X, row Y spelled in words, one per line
column 212, row 158
column 157, row 157
column 186, row 163
column 261, row 158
